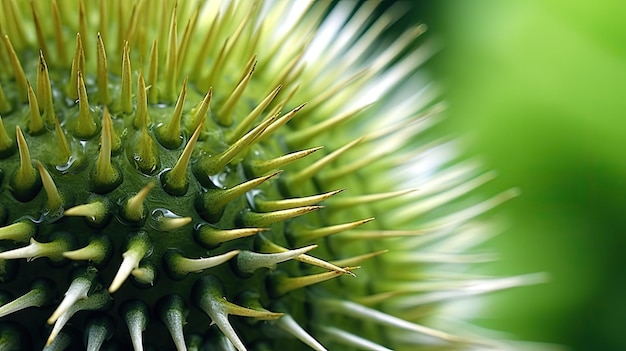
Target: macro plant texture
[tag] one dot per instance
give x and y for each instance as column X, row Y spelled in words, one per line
column 205, row 175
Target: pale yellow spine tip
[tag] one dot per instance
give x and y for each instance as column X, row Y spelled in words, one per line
column 102, row 76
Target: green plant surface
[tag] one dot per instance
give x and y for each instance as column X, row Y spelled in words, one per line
column 231, row 175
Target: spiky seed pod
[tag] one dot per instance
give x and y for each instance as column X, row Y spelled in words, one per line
column 165, row 173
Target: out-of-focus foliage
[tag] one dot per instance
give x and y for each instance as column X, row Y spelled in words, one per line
column 538, row 87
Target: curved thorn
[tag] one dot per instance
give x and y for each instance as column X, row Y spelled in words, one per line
column 95, row 211
column 180, row 266
column 41, row 293
column 77, row 291
column 53, row 250
column 54, row 201
column 168, row 224
column 96, row 251
column 133, row 209
column 138, row 247
column 213, row 237
column 249, row 262
column 20, row 231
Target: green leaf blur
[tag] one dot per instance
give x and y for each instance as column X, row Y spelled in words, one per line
column 537, row 88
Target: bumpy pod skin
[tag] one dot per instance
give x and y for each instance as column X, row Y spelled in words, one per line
column 169, row 167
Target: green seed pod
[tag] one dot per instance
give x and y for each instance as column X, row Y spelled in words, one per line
column 221, row 149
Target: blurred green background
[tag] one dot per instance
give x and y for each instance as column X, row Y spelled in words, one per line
column 538, row 88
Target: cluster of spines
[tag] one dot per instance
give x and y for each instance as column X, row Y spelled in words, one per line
column 160, row 85
column 105, row 177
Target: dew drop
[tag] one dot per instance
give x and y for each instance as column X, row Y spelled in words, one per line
column 219, row 180
column 250, row 195
column 64, row 168
column 163, row 212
